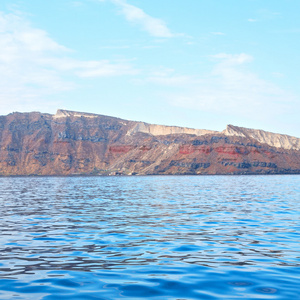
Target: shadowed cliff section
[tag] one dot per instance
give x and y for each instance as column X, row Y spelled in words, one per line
column 74, row 143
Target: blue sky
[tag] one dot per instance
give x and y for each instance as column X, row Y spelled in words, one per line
column 192, row 63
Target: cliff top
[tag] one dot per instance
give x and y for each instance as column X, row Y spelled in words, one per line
column 272, row 139
column 61, row 113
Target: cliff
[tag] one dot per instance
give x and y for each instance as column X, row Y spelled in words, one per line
column 74, row 143
column 272, row 139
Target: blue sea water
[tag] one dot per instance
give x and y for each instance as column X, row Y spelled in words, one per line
column 156, row 237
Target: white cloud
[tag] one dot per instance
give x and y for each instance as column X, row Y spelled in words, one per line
column 34, row 66
column 168, row 77
column 230, row 60
column 229, row 88
column 106, row 68
column 154, row 26
column 265, row 15
column 171, row 81
column 102, row 68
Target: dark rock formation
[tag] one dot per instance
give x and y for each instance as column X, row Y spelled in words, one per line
column 72, row 143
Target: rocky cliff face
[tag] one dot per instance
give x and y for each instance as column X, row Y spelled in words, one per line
column 73, row 143
column 272, row 139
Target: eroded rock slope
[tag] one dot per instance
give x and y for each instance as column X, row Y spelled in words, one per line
column 74, row 143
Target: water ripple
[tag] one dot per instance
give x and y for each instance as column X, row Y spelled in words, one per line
column 180, row 237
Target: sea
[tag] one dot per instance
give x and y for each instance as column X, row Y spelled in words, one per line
column 150, row 237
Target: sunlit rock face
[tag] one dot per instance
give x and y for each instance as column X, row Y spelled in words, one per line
column 272, row 139
column 74, row 143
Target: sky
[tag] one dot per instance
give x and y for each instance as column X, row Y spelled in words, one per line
column 193, row 63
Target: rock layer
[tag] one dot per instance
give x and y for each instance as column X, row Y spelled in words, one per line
column 74, row 143
column 272, row 139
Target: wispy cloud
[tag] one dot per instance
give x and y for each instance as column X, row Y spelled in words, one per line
column 133, row 14
column 232, row 60
column 174, row 80
column 265, row 15
column 168, row 77
column 102, row 68
column 268, row 14
column 34, row 66
column 229, row 88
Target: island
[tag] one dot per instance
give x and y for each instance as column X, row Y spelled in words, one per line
column 75, row 143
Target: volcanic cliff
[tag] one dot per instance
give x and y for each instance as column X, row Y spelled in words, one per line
column 74, row 143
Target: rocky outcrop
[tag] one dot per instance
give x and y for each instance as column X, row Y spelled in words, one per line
column 74, row 143
column 61, row 113
column 166, row 130
column 272, row 139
